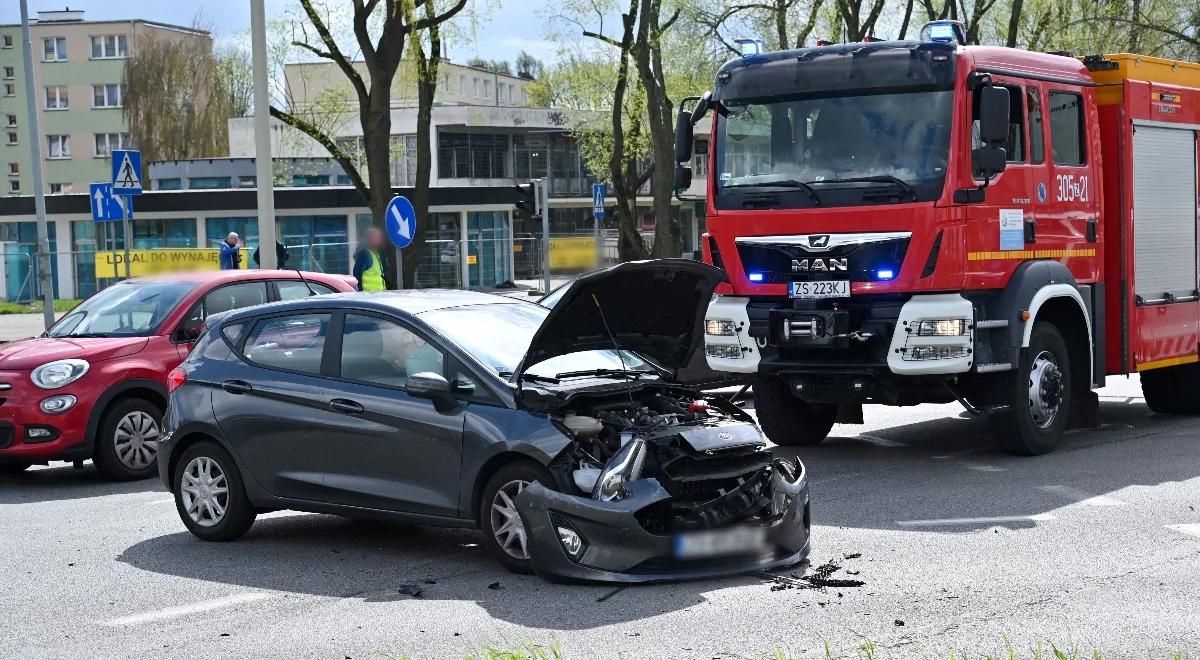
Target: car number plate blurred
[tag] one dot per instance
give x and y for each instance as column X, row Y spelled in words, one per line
column 716, row 542
column 812, row 290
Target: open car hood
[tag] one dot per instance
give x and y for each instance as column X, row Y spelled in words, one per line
column 654, row 308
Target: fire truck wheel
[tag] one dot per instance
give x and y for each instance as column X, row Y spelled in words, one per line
column 787, row 420
column 1039, row 402
column 1173, row 390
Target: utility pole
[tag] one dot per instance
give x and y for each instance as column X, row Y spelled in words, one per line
column 263, row 171
column 45, row 275
column 544, row 202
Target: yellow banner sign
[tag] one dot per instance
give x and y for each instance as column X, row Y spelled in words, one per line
column 574, row 253
column 161, row 260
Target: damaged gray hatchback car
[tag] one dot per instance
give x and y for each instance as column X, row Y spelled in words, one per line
column 560, row 433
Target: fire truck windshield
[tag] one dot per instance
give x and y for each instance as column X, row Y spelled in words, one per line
column 833, row 151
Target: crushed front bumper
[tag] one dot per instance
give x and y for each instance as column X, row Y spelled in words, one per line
column 617, row 548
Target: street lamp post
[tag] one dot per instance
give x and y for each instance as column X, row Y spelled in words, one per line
column 45, row 276
column 263, row 172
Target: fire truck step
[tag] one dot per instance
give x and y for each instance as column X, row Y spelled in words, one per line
column 990, row 324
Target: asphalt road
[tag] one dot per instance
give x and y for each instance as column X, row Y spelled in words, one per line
column 1095, row 547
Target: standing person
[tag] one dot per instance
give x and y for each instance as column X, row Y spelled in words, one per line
column 231, row 255
column 370, row 263
column 281, row 255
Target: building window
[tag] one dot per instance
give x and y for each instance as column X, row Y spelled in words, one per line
column 56, row 97
column 54, row 49
column 60, row 188
column 8, row 42
column 106, row 142
column 209, row 182
column 58, row 146
column 9, row 73
column 10, row 89
column 472, row 156
column 11, row 121
column 12, row 137
column 14, row 185
column 301, row 180
column 169, row 184
column 108, row 46
column 343, row 180
column 14, row 169
column 106, row 96
column 476, row 81
column 487, row 89
column 247, row 181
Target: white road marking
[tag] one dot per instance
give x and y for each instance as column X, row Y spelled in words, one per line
column 169, row 499
column 878, row 441
column 983, row 467
column 184, row 610
column 1037, row 517
column 1081, row 497
column 1191, row 529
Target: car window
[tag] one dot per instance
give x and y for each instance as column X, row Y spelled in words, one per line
column 378, row 351
column 1067, row 129
column 125, row 309
column 296, row 290
column 234, row 296
column 1037, row 137
column 295, row 342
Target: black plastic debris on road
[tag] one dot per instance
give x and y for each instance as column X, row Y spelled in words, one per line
column 495, row 586
column 411, row 589
column 818, row 578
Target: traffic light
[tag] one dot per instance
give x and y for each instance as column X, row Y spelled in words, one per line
column 527, row 199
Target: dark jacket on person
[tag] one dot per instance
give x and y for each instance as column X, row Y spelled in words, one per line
column 281, row 255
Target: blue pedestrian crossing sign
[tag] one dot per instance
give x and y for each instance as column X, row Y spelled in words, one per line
column 106, row 207
column 401, row 221
column 598, row 195
column 126, row 172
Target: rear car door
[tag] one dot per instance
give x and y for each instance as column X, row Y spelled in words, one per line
column 222, row 299
column 272, row 403
column 392, row 451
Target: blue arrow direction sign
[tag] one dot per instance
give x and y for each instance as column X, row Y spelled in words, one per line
column 126, row 172
column 598, row 195
column 401, row 222
column 106, row 207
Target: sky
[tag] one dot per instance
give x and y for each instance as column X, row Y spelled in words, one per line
column 500, row 35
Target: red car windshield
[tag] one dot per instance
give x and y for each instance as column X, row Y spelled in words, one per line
column 126, row 309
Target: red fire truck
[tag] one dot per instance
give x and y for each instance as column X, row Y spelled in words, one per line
column 921, row 221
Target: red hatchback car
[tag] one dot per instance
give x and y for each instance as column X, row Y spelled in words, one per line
column 95, row 384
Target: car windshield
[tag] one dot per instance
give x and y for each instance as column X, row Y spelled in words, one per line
column 833, row 151
column 499, row 335
column 125, row 309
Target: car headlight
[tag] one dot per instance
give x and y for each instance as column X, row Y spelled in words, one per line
column 623, row 467
column 720, row 327
column 53, row 375
column 942, row 328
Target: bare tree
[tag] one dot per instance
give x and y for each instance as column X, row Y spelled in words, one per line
column 381, row 30
column 178, row 96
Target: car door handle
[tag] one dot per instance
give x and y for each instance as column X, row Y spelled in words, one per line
column 236, row 387
column 347, row 407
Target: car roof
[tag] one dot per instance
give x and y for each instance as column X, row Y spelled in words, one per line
column 410, row 301
column 224, row 276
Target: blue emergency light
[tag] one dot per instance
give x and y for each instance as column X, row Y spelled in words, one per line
column 756, row 277
column 944, row 32
column 749, row 47
column 885, row 274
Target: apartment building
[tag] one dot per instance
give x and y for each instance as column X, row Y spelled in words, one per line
column 78, row 66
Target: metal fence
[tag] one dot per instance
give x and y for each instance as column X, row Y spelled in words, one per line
column 477, row 263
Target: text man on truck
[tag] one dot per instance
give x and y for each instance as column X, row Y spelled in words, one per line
column 922, row 222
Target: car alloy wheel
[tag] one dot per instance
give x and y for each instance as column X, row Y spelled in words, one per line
column 136, row 440
column 506, row 521
column 205, row 491
column 1045, row 389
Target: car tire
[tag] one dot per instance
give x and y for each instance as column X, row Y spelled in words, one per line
column 14, row 468
column 126, row 443
column 509, row 548
column 1038, row 398
column 1172, row 390
column 210, row 495
column 787, row 420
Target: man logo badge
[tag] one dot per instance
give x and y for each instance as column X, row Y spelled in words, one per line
column 725, row 435
column 820, row 265
column 818, row 241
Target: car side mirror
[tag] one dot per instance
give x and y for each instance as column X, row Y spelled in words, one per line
column 190, row 330
column 993, row 115
column 683, row 137
column 683, row 177
column 428, row 385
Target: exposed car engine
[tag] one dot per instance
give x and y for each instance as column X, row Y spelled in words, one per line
column 704, row 451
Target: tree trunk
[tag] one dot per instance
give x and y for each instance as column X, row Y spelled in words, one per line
column 648, row 57
column 622, row 171
column 1014, row 23
column 427, row 77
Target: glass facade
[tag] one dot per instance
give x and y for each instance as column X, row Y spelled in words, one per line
column 483, row 155
column 318, row 243
column 20, row 260
column 489, row 248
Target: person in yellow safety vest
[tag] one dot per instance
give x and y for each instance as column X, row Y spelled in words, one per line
column 370, row 262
